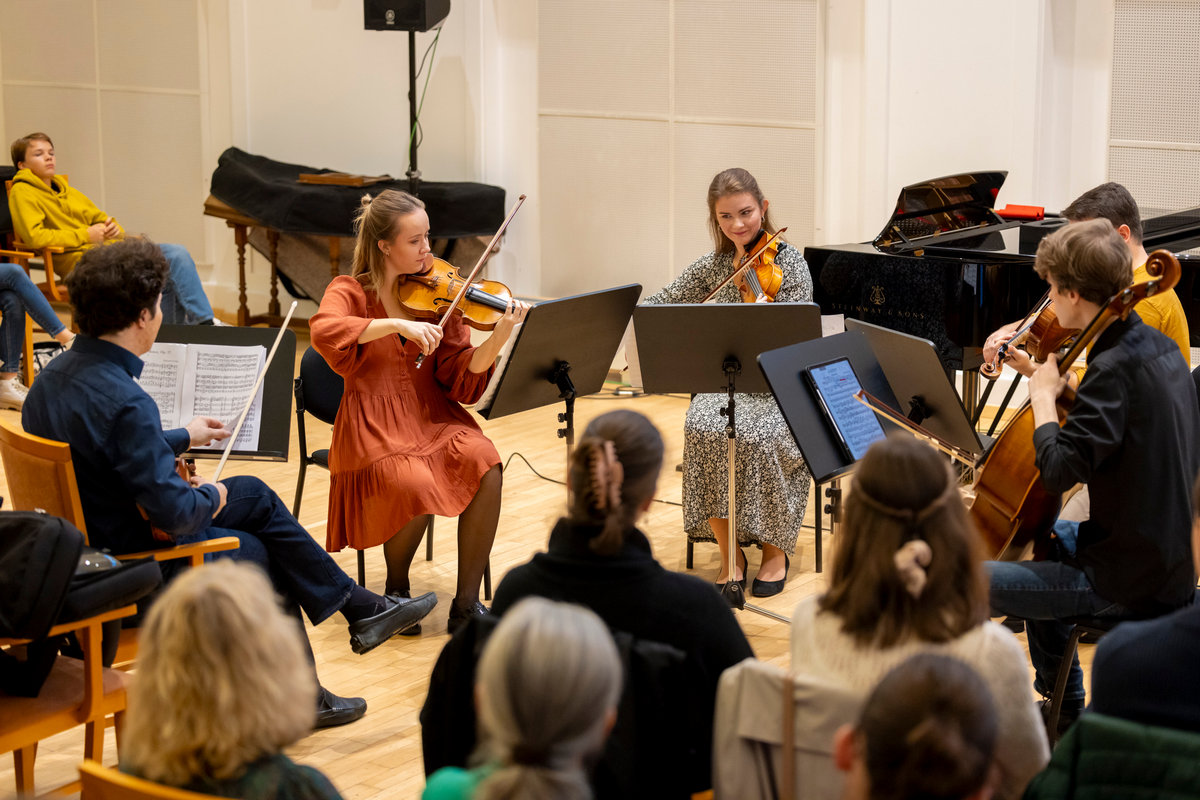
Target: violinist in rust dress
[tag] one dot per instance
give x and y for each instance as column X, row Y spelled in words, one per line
column 772, row 478
column 403, row 446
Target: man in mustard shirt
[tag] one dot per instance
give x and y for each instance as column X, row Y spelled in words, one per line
column 48, row 212
column 1163, row 311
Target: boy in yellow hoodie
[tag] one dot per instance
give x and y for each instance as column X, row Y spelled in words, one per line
column 47, row 211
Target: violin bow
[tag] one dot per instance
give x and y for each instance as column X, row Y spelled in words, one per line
column 887, row 412
column 745, row 263
column 475, row 272
column 253, row 393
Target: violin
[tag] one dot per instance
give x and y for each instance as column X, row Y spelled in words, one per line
column 1040, row 335
column 185, row 468
column 450, row 292
column 1011, row 507
column 429, row 295
column 757, row 277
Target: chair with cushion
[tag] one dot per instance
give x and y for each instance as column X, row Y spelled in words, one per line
column 51, row 287
column 103, row 783
column 40, row 475
column 318, row 392
column 773, row 733
column 75, row 693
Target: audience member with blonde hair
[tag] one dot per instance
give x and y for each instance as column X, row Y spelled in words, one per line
column 223, row 685
column 926, row 732
column 546, row 689
column 908, row 578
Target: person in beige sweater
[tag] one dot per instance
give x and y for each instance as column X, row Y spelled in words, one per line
column 908, row 578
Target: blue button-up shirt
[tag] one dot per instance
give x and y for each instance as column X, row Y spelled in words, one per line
column 123, row 458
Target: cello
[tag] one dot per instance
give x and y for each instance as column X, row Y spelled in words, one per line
column 1011, row 508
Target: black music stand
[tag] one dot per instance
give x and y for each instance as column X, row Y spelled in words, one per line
column 918, row 380
column 578, row 335
column 708, row 348
column 784, row 372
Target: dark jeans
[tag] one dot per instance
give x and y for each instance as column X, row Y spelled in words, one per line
column 18, row 296
column 1042, row 593
column 270, row 536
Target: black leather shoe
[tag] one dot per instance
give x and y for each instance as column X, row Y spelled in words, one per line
column 415, row 630
column 401, row 614
column 333, row 710
column 771, row 588
column 459, row 616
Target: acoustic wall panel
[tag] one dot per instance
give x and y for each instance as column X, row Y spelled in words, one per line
column 70, row 116
column 754, row 59
column 1154, row 116
column 126, row 50
column 782, row 160
column 608, row 57
column 154, row 179
column 640, row 104
column 603, row 204
column 52, row 42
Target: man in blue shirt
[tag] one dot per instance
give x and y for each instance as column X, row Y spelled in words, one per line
column 125, row 462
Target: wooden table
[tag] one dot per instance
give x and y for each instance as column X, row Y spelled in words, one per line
column 241, row 225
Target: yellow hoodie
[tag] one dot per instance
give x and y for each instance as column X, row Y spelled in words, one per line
column 58, row 217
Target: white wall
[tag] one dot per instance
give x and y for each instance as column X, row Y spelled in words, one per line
column 309, row 85
column 916, row 89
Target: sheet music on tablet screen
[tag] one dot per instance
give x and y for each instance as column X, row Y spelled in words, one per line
column 836, row 384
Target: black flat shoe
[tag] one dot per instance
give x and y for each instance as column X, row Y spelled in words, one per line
column 771, row 588
column 459, row 616
column 333, row 710
column 415, row 630
column 401, row 614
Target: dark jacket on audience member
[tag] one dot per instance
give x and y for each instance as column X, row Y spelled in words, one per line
column 636, row 596
column 1147, row 671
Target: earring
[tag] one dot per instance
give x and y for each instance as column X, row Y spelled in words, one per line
column 387, row 252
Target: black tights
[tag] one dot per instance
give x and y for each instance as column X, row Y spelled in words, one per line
column 476, row 531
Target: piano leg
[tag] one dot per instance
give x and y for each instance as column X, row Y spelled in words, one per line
column 970, row 391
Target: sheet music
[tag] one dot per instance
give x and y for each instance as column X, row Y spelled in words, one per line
column 489, row 392
column 162, row 379
column 221, row 377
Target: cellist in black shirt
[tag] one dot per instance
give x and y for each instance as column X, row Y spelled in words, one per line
column 1132, row 435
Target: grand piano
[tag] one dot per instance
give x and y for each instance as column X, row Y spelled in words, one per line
column 948, row 268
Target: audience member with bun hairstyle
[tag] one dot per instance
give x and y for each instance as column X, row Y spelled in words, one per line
column 908, row 578
column 224, row 684
column 927, row 731
column 546, row 690
column 598, row 558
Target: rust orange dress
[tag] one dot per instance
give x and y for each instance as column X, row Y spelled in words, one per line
column 402, row 443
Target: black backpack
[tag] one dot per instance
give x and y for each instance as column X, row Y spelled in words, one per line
column 48, row 576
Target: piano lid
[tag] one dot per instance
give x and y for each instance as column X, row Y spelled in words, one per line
column 943, row 210
column 1177, row 231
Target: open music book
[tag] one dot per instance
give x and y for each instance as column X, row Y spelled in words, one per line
column 205, row 380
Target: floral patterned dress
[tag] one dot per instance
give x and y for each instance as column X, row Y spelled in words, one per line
column 772, row 478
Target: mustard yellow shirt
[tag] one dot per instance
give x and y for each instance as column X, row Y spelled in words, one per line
column 1162, row 312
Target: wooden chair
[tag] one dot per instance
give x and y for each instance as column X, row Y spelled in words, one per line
column 51, row 287
column 41, row 475
column 99, row 782
column 76, row 693
column 22, row 258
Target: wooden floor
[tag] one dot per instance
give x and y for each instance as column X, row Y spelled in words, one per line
column 380, row 756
